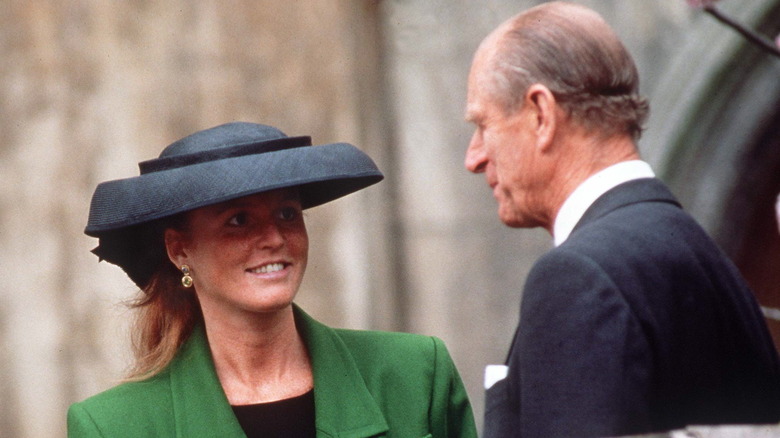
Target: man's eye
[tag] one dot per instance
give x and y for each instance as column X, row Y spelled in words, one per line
column 238, row 220
column 288, row 213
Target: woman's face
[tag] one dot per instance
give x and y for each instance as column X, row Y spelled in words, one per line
column 245, row 255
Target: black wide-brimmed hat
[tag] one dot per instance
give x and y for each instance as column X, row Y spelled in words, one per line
column 211, row 166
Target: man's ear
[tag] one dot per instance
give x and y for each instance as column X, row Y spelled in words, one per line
column 545, row 112
column 175, row 246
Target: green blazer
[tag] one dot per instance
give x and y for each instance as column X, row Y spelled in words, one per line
column 366, row 384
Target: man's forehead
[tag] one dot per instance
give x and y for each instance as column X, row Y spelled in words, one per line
column 475, row 103
column 471, row 96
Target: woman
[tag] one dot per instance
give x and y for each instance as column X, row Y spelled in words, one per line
column 212, row 232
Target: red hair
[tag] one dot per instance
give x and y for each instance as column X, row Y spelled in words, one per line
column 166, row 313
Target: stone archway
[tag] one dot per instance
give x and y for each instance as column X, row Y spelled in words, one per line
column 757, row 251
column 717, row 117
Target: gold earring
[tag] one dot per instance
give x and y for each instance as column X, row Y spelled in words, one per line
column 186, row 280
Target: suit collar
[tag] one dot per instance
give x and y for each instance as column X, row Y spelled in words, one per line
column 343, row 405
column 632, row 192
column 591, row 189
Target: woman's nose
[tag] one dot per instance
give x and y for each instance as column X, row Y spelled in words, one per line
column 269, row 235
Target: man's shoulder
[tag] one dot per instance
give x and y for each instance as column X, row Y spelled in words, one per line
column 626, row 239
column 639, row 207
column 641, row 227
column 616, row 246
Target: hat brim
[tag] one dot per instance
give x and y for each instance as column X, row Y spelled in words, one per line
column 124, row 213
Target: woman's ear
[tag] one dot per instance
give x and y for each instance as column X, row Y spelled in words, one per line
column 175, row 246
column 542, row 102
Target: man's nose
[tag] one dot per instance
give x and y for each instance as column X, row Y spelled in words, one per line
column 476, row 160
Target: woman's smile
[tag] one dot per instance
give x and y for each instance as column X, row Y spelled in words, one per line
column 269, row 268
column 273, row 271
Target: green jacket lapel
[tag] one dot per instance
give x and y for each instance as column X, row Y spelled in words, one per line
column 200, row 406
column 344, row 406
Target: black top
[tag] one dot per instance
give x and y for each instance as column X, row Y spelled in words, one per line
column 288, row 418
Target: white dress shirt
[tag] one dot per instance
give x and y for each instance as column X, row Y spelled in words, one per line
column 591, row 189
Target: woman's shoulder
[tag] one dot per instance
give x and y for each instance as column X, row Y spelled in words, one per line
column 394, row 348
column 408, row 374
column 113, row 408
column 387, row 338
column 128, row 392
column 373, row 347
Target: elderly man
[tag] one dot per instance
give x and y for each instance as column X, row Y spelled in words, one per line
column 635, row 322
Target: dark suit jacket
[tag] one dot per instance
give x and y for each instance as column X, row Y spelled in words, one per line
column 636, row 323
column 366, row 384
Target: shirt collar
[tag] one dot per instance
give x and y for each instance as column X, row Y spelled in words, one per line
column 591, row 189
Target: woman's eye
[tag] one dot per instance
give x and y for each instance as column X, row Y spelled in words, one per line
column 288, row 213
column 238, row 220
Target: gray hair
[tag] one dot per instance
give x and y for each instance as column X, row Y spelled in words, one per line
column 589, row 71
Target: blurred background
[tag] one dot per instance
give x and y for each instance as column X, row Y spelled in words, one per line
column 89, row 88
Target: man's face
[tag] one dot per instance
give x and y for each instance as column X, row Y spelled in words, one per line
column 503, row 148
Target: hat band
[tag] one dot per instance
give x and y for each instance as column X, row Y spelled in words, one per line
column 176, row 161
